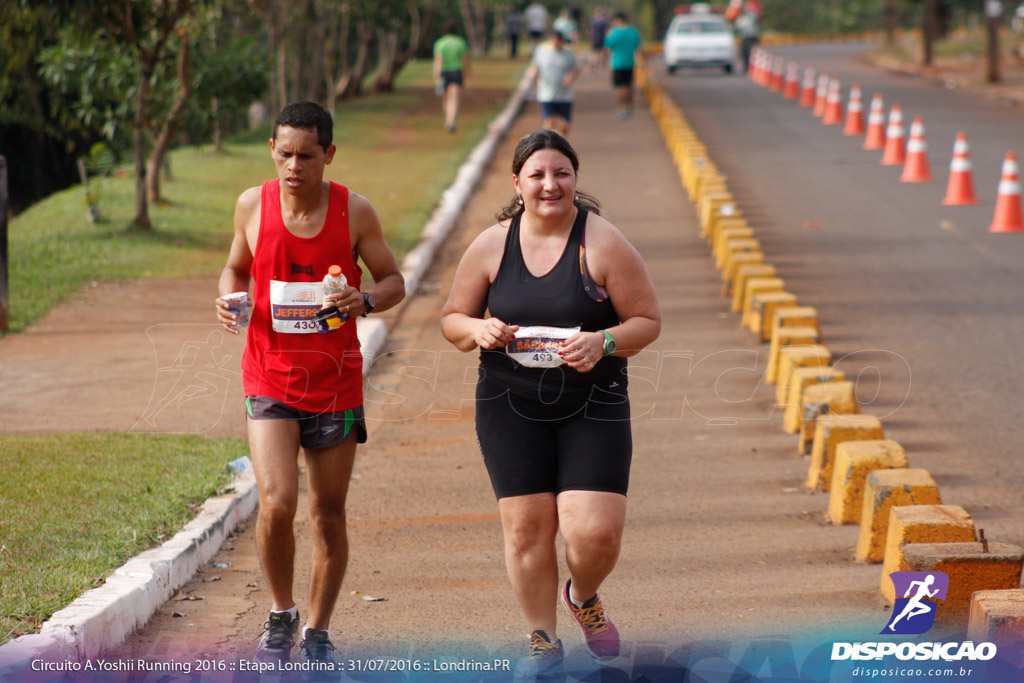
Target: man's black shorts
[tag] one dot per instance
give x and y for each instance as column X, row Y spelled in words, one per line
column 316, row 430
column 622, row 78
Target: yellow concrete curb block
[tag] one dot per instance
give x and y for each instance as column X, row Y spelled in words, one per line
column 710, row 203
column 921, row 524
column 854, row 460
column 798, row 379
column 832, row 430
column 718, row 217
column 751, row 288
column 734, row 245
column 799, row 316
column 728, row 232
column 743, row 275
column 821, row 400
column 970, row 568
column 997, row 617
column 783, row 337
column 733, row 263
column 884, row 490
column 759, row 313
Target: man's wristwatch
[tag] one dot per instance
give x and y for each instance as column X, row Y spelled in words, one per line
column 609, row 342
column 369, row 303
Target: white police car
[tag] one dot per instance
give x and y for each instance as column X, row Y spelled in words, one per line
column 699, row 38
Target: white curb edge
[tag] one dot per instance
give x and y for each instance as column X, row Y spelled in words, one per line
column 103, row 617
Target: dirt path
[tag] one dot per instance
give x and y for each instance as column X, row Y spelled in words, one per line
column 721, row 541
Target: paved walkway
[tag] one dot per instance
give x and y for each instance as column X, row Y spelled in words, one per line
column 721, row 540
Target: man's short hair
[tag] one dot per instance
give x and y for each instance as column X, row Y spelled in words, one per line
column 308, row 116
column 621, row 16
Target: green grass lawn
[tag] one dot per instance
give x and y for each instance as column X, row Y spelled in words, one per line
column 392, row 149
column 74, row 507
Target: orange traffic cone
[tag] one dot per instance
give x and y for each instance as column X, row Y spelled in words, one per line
column 875, row 139
column 1009, row 216
column 764, row 68
column 960, row 190
column 820, row 96
column 807, row 95
column 833, row 105
column 854, row 113
column 915, row 170
column 777, row 75
column 755, row 58
column 895, row 139
column 791, row 90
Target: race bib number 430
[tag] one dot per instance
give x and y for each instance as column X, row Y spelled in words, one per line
column 294, row 305
column 537, row 346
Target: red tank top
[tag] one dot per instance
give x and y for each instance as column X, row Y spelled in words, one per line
column 286, row 357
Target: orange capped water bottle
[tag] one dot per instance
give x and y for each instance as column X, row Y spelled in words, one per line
column 334, row 281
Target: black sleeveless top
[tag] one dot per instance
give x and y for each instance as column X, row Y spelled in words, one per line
column 563, row 297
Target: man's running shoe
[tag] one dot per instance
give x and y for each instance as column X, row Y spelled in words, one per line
column 545, row 657
column 278, row 637
column 316, row 648
column 599, row 633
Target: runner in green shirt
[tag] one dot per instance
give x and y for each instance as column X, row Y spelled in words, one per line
column 451, row 66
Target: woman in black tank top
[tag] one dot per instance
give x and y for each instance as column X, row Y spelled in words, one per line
column 556, row 299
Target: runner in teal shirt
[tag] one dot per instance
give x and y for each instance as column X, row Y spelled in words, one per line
column 621, row 43
column 451, row 65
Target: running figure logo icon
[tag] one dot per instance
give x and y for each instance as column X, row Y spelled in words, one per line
column 914, row 613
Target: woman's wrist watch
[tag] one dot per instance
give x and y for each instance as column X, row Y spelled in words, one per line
column 369, row 303
column 609, row 342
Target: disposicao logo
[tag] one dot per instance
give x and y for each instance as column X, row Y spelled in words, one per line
column 914, row 613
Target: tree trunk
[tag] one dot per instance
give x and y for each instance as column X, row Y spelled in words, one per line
column 467, row 21
column 282, row 58
column 337, row 48
column 992, row 17
column 891, row 18
column 139, row 147
column 315, row 85
column 353, row 81
column 387, row 53
column 172, row 123
column 479, row 13
column 928, row 34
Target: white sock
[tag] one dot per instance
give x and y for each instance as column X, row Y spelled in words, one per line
column 293, row 611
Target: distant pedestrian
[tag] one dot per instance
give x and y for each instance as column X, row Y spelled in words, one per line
column 554, row 70
column 598, row 30
column 749, row 30
column 621, row 43
column 536, row 21
column 513, row 29
column 566, row 26
column 555, row 298
column 451, row 66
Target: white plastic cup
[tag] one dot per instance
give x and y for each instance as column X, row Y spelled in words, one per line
column 238, row 303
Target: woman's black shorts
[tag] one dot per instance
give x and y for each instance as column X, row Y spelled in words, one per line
column 582, row 443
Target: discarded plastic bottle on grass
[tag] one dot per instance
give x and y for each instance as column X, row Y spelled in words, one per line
column 240, row 465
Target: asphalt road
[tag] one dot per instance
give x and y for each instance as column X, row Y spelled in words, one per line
column 926, row 303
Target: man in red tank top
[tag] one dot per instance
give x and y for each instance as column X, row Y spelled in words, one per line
column 303, row 381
